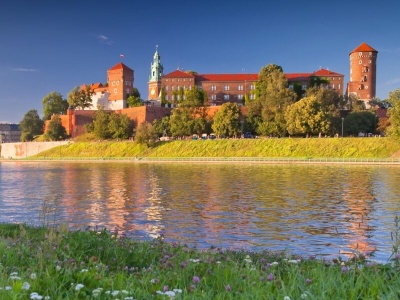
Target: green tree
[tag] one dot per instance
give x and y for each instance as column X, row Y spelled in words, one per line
column 31, row 125
column 162, row 127
column 272, row 96
column 100, row 124
column 181, row 122
column 119, row 126
column 394, row 114
column 227, row 120
column 163, row 96
column 54, row 104
column 80, row 98
column 194, row 97
column 134, row 99
column 146, row 134
column 55, row 130
column 360, row 121
column 307, row 116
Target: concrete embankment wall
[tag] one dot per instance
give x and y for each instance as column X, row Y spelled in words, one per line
column 26, row 149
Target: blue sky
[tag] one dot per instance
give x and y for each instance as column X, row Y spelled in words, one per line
column 56, row 45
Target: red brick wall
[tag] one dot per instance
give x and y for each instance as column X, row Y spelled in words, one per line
column 363, row 74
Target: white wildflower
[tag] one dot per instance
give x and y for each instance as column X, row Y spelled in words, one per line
column 194, row 260
column 33, row 276
column 275, row 263
column 79, row 286
column 7, row 288
column 170, row 294
column 26, row 286
column 286, row 298
column 303, row 296
column 35, row 296
column 114, row 293
column 179, row 291
column 84, row 270
column 293, row 261
column 58, row 268
column 125, row 292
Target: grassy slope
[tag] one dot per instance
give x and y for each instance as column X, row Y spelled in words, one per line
column 295, row 148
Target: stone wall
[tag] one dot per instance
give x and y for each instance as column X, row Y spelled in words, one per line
column 26, row 149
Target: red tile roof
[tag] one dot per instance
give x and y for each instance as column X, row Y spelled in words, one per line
column 364, row 47
column 178, row 74
column 119, row 66
column 297, row 76
column 227, row 77
column 325, row 72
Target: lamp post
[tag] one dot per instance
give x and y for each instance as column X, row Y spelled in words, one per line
column 342, row 126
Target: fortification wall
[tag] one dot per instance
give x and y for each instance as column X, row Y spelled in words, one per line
column 26, row 149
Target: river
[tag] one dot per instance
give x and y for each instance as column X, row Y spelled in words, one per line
column 324, row 210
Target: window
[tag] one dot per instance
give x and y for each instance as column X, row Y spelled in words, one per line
column 240, row 97
column 226, row 87
column 128, row 91
column 172, row 88
column 177, row 79
column 291, row 87
column 252, row 87
column 360, row 62
column 366, row 87
column 226, row 97
column 333, row 86
column 166, row 79
column 252, row 96
column 113, row 82
column 117, row 83
column 304, row 87
column 240, row 87
column 338, row 86
column 213, row 97
column 166, row 97
column 166, row 88
column 172, row 97
column 115, row 91
column 213, row 88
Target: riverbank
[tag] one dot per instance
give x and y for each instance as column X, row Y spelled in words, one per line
column 95, row 264
column 285, row 149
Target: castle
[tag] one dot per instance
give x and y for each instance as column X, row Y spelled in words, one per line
column 220, row 88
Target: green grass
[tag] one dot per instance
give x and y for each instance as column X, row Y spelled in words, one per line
column 287, row 147
column 95, row 264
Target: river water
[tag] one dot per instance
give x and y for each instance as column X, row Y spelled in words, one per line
column 323, row 210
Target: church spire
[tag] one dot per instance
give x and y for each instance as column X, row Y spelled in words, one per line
column 156, row 69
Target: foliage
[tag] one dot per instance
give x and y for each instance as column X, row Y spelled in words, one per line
column 181, row 122
column 31, row 125
column 54, row 104
column 307, row 116
column 394, row 113
column 194, row 97
column 227, row 120
column 55, row 130
column 162, row 127
column 119, row 126
column 56, row 263
column 146, row 134
column 134, row 99
column 100, row 124
column 107, row 125
column 360, row 121
column 163, row 96
column 266, row 112
column 80, row 98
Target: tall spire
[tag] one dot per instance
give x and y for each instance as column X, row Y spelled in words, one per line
column 156, row 69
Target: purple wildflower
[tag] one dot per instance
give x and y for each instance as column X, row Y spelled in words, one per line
column 270, row 277
column 228, row 287
column 196, row 279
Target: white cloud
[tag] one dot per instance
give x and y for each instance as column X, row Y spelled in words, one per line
column 24, row 70
column 104, row 40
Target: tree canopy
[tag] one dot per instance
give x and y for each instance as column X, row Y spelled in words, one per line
column 146, row 134
column 227, row 120
column 80, row 98
column 134, row 99
column 55, row 130
column 307, row 116
column 394, row 114
column 54, row 104
column 31, row 125
column 272, row 96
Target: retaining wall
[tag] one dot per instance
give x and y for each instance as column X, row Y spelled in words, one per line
column 26, row 149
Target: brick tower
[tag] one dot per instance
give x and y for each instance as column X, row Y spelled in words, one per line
column 156, row 73
column 362, row 82
column 120, row 80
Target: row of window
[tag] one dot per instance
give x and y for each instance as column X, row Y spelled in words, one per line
column 213, row 97
column 116, row 82
column 178, row 87
column 179, row 79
